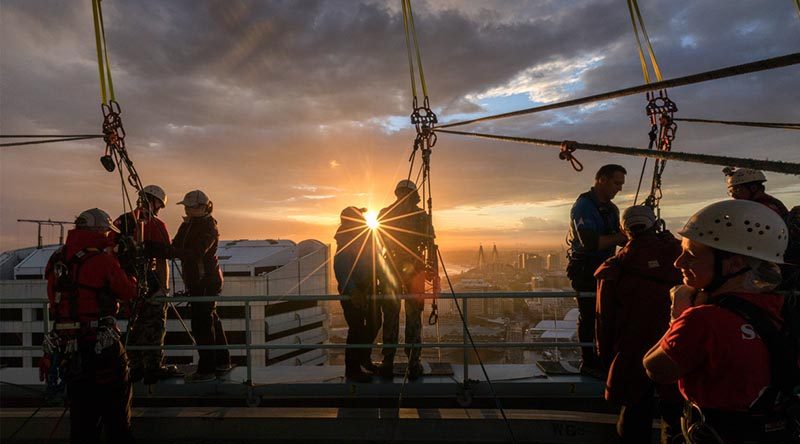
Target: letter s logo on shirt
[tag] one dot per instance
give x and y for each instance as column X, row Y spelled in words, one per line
column 748, row 332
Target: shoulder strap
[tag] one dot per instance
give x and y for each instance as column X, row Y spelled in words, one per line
column 783, row 361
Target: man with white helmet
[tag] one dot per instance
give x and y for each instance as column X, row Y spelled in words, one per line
column 748, row 184
column 85, row 285
column 714, row 347
column 632, row 314
column 148, row 327
column 405, row 231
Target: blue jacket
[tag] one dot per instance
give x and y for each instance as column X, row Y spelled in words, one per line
column 590, row 219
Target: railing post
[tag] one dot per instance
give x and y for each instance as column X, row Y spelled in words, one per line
column 464, row 304
column 248, row 333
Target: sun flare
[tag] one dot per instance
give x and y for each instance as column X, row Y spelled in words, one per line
column 371, row 217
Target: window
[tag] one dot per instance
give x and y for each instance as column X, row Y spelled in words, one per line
column 10, row 338
column 10, row 314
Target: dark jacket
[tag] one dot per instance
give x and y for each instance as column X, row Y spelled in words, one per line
column 195, row 244
column 406, row 230
column 589, row 220
column 102, row 282
column 633, row 308
column 355, row 267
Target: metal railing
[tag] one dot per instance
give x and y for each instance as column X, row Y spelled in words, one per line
column 248, row 346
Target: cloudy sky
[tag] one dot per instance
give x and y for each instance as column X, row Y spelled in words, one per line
column 285, row 112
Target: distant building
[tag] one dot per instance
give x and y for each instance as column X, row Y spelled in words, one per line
column 554, row 262
column 250, row 268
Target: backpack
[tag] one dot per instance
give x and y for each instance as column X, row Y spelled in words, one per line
column 66, row 272
column 783, row 345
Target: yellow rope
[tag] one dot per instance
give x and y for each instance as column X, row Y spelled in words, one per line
column 633, row 10
column 95, row 6
column 647, row 39
column 416, row 46
column 105, row 51
column 408, row 48
column 645, row 73
column 797, row 3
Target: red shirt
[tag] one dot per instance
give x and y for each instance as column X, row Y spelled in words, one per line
column 725, row 365
column 154, row 228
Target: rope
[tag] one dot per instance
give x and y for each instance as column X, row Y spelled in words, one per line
column 730, row 71
column 99, row 44
column 408, row 49
column 38, row 142
column 416, row 47
column 105, row 50
column 633, row 5
column 708, row 159
column 789, row 126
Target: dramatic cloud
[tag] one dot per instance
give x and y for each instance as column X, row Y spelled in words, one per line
column 284, row 112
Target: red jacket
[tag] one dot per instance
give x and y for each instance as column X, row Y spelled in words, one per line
column 633, row 306
column 99, row 270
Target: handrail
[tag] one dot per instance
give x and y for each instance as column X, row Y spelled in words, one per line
column 336, row 297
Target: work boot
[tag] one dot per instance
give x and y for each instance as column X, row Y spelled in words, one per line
column 197, row 377
column 222, row 370
column 358, row 376
column 372, row 367
column 386, row 370
column 415, row 370
column 151, row 376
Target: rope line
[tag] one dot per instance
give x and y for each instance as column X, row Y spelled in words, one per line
column 105, row 50
column 416, row 47
column 38, row 142
column 729, row 71
column 789, row 126
column 408, row 49
column 633, row 5
column 44, row 136
column 99, row 44
column 708, row 159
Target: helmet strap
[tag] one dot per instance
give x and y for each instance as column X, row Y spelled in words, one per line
column 719, row 278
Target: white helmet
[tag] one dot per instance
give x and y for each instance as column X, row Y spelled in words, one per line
column 194, row 198
column 95, row 218
column 638, row 215
column 404, row 186
column 157, row 192
column 739, row 176
column 741, row 227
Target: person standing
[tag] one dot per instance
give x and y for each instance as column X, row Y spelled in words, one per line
column 407, row 230
column 85, row 284
column 355, row 267
column 150, row 318
column 633, row 307
column 714, row 348
column 748, row 184
column 195, row 244
column 594, row 234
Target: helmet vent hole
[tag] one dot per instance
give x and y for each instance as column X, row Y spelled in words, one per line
column 747, row 222
column 749, row 230
column 700, row 234
column 749, row 248
column 760, row 232
column 766, row 226
column 716, row 239
column 729, row 224
column 758, row 224
column 717, row 221
column 710, row 232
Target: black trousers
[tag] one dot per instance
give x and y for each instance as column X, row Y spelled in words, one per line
column 99, row 394
column 363, row 324
column 586, row 319
column 635, row 422
column 207, row 330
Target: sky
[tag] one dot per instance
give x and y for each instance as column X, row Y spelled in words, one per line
column 285, row 112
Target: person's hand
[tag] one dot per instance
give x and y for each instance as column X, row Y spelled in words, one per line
column 683, row 297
